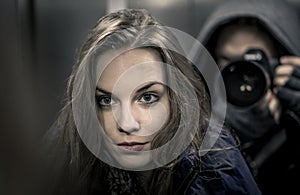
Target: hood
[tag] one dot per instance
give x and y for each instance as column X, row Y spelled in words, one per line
column 277, row 16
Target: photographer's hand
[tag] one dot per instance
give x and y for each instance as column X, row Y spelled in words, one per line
column 287, row 83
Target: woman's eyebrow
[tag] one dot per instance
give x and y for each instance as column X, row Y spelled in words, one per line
column 103, row 91
column 147, row 86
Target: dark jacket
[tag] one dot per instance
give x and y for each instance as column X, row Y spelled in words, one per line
column 272, row 157
column 222, row 170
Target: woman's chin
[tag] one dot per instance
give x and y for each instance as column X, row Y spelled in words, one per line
column 131, row 160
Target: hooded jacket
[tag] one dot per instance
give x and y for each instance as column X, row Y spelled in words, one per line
column 273, row 158
column 278, row 17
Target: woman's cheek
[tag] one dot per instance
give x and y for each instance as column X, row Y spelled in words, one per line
column 106, row 121
column 156, row 117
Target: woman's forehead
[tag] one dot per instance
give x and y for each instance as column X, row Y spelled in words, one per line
column 132, row 68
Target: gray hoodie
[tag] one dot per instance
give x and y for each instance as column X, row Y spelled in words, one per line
column 277, row 16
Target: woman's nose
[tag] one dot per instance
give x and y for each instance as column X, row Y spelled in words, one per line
column 126, row 121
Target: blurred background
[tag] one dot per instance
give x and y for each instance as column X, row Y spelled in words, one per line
column 39, row 41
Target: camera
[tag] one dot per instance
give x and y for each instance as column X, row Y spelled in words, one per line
column 248, row 78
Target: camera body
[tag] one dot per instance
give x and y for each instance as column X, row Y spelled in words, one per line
column 247, row 79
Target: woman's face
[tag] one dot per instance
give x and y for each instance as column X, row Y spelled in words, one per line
column 133, row 104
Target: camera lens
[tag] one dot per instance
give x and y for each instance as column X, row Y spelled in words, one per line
column 245, row 82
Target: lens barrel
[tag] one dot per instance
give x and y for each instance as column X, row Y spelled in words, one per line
column 246, row 82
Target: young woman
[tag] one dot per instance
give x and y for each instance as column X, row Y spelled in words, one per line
column 136, row 118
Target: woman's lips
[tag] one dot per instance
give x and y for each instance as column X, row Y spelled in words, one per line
column 132, row 146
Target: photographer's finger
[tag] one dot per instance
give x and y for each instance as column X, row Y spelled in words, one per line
column 281, row 80
column 283, row 70
column 294, row 60
column 266, row 100
column 275, row 107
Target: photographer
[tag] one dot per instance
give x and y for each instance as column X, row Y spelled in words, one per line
column 268, row 125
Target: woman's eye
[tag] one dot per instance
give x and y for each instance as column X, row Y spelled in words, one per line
column 148, row 98
column 104, row 101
